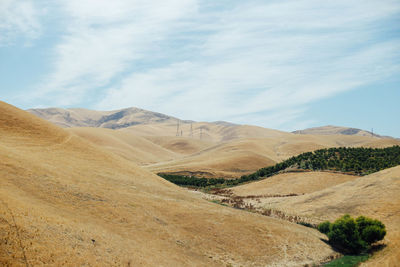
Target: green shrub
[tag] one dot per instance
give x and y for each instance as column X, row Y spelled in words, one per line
column 371, row 230
column 353, row 235
column 324, row 227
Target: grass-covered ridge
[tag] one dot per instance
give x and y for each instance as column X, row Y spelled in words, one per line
column 358, row 161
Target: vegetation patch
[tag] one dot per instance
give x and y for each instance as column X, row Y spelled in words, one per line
column 348, row 261
column 191, row 180
column 353, row 236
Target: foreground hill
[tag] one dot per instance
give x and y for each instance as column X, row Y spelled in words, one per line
column 376, row 195
column 64, row 201
column 334, row 130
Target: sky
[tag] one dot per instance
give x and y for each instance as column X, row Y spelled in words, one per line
column 287, row 64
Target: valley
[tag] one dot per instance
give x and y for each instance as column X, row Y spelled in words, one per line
column 90, row 196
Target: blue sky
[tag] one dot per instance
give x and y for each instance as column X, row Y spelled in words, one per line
column 279, row 64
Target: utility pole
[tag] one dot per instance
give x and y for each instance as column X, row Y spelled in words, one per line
column 201, row 132
column 372, row 132
column 191, row 130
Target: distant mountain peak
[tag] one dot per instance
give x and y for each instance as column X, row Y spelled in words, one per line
column 115, row 119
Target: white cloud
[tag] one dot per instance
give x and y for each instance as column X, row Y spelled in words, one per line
column 18, row 18
column 105, row 38
column 252, row 60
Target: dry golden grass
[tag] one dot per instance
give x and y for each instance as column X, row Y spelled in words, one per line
column 211, row 132
column 222, row 160
column 134, row 148
column 181, row 145
column 376, row 195
column 64, row 201
column 293, row 183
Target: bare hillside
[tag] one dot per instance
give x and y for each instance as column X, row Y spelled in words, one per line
column 217, row 149
column 333, row 130
column 376, row 195
column 206, row 131
column 64, row 201
column 244, row 156
column 78, row 117
column 293, row 183
column 131, row 147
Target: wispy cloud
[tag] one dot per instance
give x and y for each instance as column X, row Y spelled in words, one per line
column 210, row 61
column 104, row 39
column 18, row 18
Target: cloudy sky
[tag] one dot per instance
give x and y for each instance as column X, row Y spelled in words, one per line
column 286, row 64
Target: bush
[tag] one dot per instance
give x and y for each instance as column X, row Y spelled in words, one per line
column 324, row 227
column 353, row 236
column 371, row 230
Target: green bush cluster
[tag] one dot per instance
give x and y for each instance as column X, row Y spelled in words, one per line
column 360, row 160
column 353, row 235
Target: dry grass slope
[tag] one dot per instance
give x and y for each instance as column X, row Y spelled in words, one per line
column 293, row 183
column 376, row 195
column 210, row 149
column 64, row 201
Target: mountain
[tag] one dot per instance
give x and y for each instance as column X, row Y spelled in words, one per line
column 333, row 130
column 67, row 201
column 78, row 117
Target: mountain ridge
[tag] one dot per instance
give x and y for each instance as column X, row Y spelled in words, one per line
column 342, row 130
column 114, row 119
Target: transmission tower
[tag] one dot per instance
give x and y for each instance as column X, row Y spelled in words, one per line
column 177, row 128
column 191, row 129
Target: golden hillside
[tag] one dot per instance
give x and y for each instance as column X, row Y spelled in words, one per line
column 64, row 201
column 245, row 149
column 376, row 195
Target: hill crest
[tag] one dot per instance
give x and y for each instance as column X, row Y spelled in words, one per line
column 115, row 119
column 335, row 130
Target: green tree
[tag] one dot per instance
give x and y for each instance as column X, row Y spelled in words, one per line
column 324, row 227
column 353, row 235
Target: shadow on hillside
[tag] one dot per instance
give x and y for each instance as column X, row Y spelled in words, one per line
column 374, row 248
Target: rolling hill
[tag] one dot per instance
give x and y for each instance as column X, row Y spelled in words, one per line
column 216, row 149
column 333, row 130
column 244, row 156
column 327, row 196
column 67, row 201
